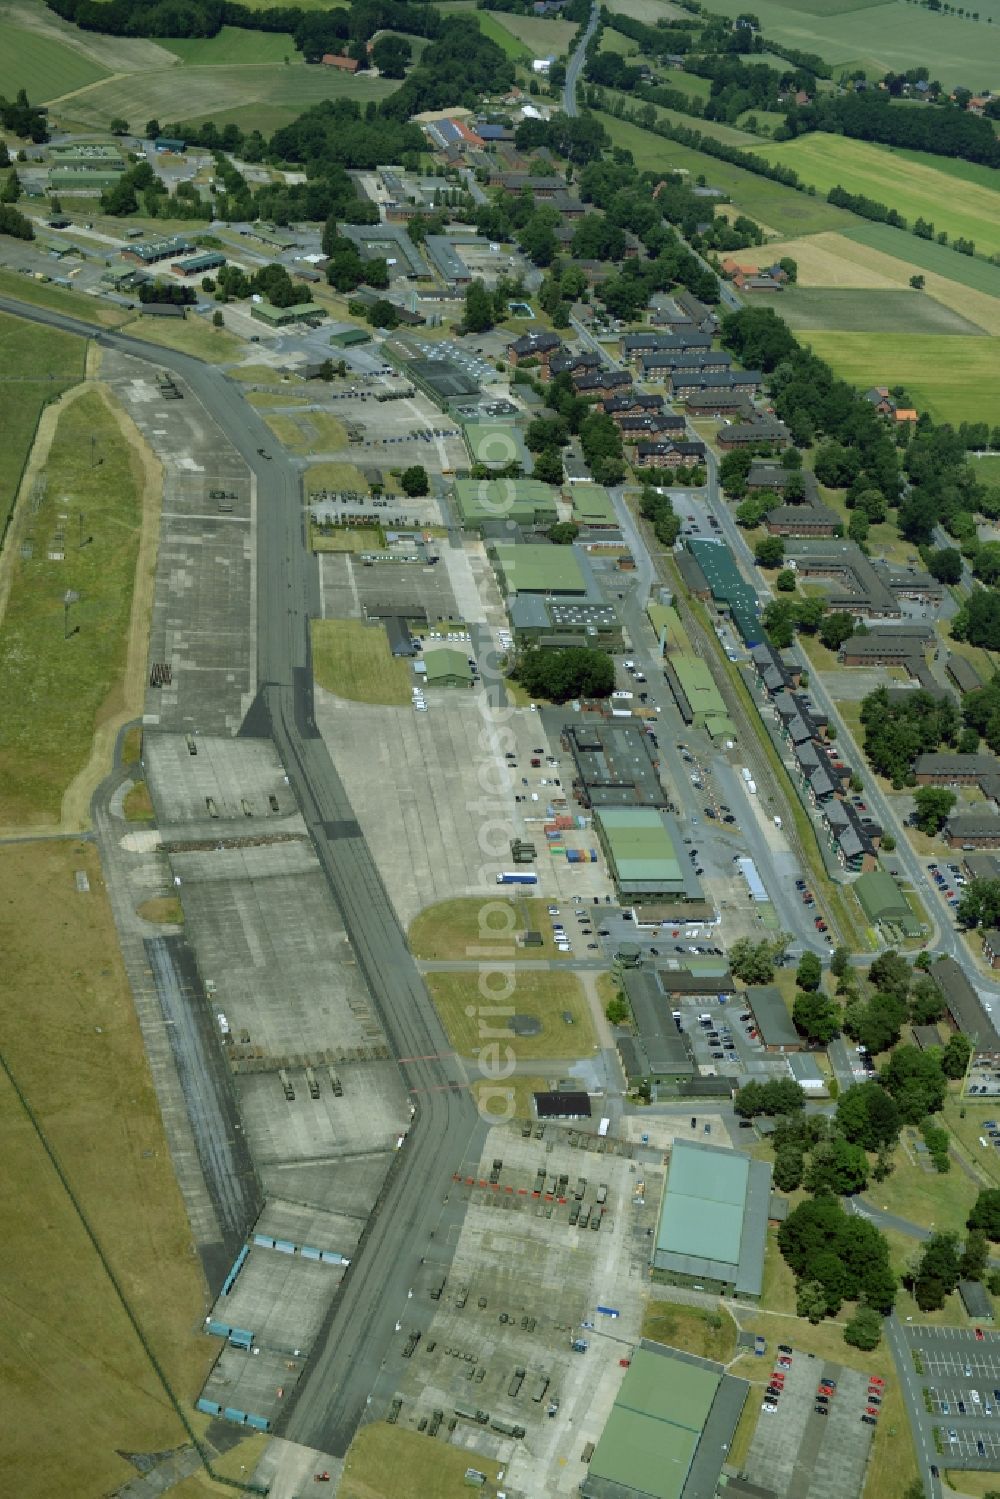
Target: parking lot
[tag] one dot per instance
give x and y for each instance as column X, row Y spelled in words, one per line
column 813, row 1443
column 959, row 1374
column 725, row 1045
column 534, row 1258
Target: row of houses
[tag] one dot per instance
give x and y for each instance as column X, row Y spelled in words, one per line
column 825, row 777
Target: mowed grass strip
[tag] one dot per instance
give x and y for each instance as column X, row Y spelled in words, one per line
column 353, row 660
column 488, row 926
column 955, row 379
column 43, row 363
column 44, row 68
column 53, row 689
column 914, row 189
column 474, row 1020
column 188, row 336
column 20, row 288
column 79, row 1389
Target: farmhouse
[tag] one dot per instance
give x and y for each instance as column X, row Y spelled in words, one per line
column 338, row 60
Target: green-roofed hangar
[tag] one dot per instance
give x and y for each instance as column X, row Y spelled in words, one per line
column 713, row 1220
column 643, row 848
column 884, row 903
column 669, row 1429
column 486, row 502
column 728, row 586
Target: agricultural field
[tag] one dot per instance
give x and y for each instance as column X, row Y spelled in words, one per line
column 879, row 36
column 61, row 669
column 955, row 379
column 234, row 46
column 48, row 363
column 728, row 134
column 80, row 1391
column 43, row 66
column 848, row 262
column 264, row 96
column 648, row 11
column 489, row 25
column 927, row 255
column 858, row 311
column 911, row 187
column 540, row 37
column 783, row 210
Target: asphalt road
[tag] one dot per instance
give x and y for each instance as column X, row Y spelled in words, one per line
column 330, row 1399
column 576, row 63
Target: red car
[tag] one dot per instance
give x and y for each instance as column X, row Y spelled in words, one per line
column 980, row 1335
column 878, row 1383
column 872, row 1411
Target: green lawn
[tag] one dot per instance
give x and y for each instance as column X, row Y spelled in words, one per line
column 861, row 310
column 352, row 660
column 456, row 928
column 544, row 997
column 490, row 26
column 381, row 1454
column 978, row 275
column 75, row 304
column 986, row 468
column 772, row 205
column 942, row 1200
column 53, row 689
column 537, row 34
column 233, row 46
column 706, row 1334
column 955, row 379
column 728, row 134
column 48, row 363
column 881, row 36
column 43, row 67
column 910, row 186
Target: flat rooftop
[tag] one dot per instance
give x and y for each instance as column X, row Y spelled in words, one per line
column 713, row 1219
column 614, row 764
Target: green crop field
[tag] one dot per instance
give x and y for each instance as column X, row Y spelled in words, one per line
column 777, row 208
column 955, row 379
column 912, row 188
column 882, row 36
column 47, row 362
column 45, row 68
column 850, row 310
column 541, row 37
column 965, row 171
column 728, row 134
column 232, row 46
column 490, row 26
column 978, row 275
column 262, row 97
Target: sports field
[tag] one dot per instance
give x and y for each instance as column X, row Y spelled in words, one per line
column 44, row 67
column 955, row 379
column 263, row 96
column 970, row 209
column 839, row 261
column 882, row 36
column 892, row 310
column 48, row 362
column 784, row 210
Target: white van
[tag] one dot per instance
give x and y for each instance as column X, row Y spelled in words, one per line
column 623, row 697
column 745, row 774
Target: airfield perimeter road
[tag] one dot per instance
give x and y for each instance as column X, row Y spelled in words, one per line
column 330, row 1400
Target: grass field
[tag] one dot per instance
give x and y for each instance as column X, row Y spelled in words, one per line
column 47, row 362
column 459, row 928
column 986, row 468
column 544, row 997
column 784, row 210
column 233, row 46
column 79, row 1390
column 334, row 476
column 312, row 432
column 943, row 1201
column 489, row 25
column 44, row 67
column 43, row 294
column 352, row 660
column 346, row 539
column 707, row 1334
column 53, row 690
column 192, row 336
column 955, row 379
column 910, row 186
column 537, row 35
column 138, row 805
column 841, row 261
column 380, row 1453
column 265, row 96
column 880, row 36
column 892, row 310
